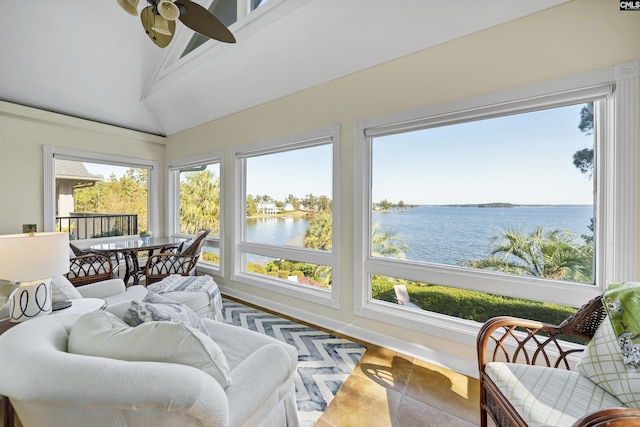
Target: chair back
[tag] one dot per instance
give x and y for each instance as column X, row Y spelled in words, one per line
column 77, row 251
column 402, row 295
column 195, row 246
column 584, row 322
column 161, row 265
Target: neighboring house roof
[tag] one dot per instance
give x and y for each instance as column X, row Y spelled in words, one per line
column 67, row 169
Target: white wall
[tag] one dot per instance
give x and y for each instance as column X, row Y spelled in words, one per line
column 23, row 132
column 576, row 37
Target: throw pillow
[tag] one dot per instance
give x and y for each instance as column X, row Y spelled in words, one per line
column 601, row 362
column 62, row 289
column 185, row 245
column 102, row 334
column 154, row 308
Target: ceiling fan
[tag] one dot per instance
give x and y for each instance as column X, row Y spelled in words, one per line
column 159, row 20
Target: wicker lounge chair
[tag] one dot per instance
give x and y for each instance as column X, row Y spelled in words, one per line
column 507, row 341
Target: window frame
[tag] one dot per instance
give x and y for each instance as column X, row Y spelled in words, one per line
column 173, row 205
column 50, row 153
column 615, row 175
column 328, row 135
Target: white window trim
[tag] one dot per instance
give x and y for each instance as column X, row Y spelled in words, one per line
column 172, row 211
column 618, row 204
column 51, row 152
column 329, row 134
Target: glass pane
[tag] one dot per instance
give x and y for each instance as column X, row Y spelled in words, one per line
column 303, row 273
column 100, row 200
column 288, row 202
column 513, row 194
column 257, row 3
column 464, row 304
column 210, row 255
column 200, row 199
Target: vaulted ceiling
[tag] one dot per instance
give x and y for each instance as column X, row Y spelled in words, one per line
column 89, row 59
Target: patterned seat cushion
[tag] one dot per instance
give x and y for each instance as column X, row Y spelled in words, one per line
column 548, row 396
column 602, row 363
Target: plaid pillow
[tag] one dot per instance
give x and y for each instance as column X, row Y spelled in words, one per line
column 602, row 363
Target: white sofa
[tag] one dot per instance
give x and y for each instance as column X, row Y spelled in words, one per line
column 48, row 385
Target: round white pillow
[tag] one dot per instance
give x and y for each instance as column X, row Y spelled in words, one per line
column 102, row 334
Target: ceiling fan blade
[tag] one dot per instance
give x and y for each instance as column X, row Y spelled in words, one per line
column 148, row 20
column 204, row 22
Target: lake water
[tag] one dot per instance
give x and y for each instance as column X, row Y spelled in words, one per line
column 439, row 234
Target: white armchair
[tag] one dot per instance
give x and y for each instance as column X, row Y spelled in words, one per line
column 48, row 385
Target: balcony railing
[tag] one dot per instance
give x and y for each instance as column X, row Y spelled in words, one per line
column 94, row 225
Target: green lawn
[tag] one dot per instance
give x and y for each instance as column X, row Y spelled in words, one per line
column 470, row 305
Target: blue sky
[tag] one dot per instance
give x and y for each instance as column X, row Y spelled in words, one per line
column 298, row 172
column 105, row 170
column 521, row 159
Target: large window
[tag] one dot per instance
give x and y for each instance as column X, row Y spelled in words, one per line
column 93, row 195
column 287, row 215
column 195, row 204
column 500, row 194
column 506, row 204
column 100, row 200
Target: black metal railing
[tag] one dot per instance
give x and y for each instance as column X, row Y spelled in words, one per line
column 94, row 225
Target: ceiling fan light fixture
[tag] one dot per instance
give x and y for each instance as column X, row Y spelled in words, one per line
column 168, row 10
column 130, row 6
column 161, row 26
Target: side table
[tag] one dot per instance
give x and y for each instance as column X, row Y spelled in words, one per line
column 83, row 305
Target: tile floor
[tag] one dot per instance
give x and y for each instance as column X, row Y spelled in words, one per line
column 389, row 389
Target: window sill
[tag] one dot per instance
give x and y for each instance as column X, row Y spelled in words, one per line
column 323, row 297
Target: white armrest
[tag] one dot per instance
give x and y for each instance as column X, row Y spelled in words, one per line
column 154, row 387
column 102, row 289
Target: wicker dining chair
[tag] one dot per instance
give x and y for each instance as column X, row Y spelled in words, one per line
column 89, row 268
column 182, row 262
column 514, row 340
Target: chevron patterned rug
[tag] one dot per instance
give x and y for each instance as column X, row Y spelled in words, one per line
column 324, row 360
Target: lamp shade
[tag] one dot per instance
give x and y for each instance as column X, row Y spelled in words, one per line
column 27, row 257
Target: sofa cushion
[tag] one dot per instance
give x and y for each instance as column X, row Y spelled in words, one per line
column 154, row 307
column 104, row 335
column 602, row 363
column 135, row 292
column 548, row 396
column 62, row 289
column 259, row 365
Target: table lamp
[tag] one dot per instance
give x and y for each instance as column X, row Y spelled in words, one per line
column 31, row 260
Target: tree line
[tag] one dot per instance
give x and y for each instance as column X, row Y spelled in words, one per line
column 308, row 203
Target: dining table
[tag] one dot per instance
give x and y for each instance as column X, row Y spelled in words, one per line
column 130, row 249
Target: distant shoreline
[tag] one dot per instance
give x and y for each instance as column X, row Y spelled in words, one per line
column 479, row 205
column 504, row 205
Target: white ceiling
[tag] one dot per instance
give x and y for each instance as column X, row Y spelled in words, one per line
column 89, row 59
